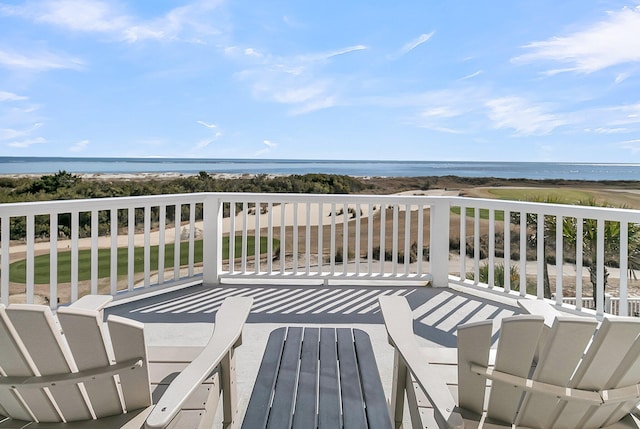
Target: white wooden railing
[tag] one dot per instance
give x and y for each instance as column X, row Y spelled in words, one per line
column 322, row 237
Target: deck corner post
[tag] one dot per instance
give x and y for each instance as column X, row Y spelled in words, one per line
column 212, row 240
column 439, row 242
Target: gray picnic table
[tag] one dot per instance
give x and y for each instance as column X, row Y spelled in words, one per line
column 318, row 378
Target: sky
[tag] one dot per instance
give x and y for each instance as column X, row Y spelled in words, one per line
column 515, row 80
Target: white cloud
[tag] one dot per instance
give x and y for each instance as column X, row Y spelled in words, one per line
column 269, row 147
column 293, row 80
column 188, row 22
column 9, row 96
column 603, row 130
column 522, row 116
column 631, row 145
column 205, row 124
column 80, row 146
column 612, row 41
column 410, row 46
column 26, row 143
column 41, row 61
column 10, row 134
column 471, row 76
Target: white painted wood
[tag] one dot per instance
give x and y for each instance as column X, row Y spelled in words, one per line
column 232, row 237
column 270, row 238
column 383, row 221
column 624, row 266
column 320, row 224
column 113, row 284
column 394, row 248
column 30, row 258
column 492, row 248
column 463, row 242
column 579, row 255
column 83, row 331
column 523, row 253
column 131, row 228
column 43, row 341
column 295, row 239
column 357, row 239
column 345, row 238
column 147, row 247
column 192, row 238
column 94, row 251
column 474, row 341
column 177, row 221
column 243, row 252
column 476, row 245
column 420, row 238
column 540, row 259
column 407, row 237
column 559, row 259
column 53, row 261
column 256, row 241
column 307, row 237
column 4, row 258
column 162, row 234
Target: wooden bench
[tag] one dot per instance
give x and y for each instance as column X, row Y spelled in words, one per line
column 318, row 377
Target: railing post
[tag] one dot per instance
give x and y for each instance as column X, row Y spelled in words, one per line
column 212, row 240
column 439, row 242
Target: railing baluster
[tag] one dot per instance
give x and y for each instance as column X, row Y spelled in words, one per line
column 600, row 267
column 131, row 225
column 192, row 238
column 623, row 309
column 463, row 243
column 320, row 236
column 269, row 238
column 540, row 254
column 53, row 260
column 5, row 229
column 579, row 255
column 407, row 238
column 94, row 251
column 476, row 245
column 30, row 258
column 523, row 253
column 283, row 236
column 113, row 251
column 345, row 238
column 394, row 257
column 383, row 238
column 370, row 239
column 307, row 239
column 243, row 261
column 256, row 241
column 295, row 238
column 357, row 240
column 559, row 260
column 147, row 246
column 492, row 248
column 176, row 241
column 333, row 240
column 419, row 252
column 232, row 237
column 162, row 230
column 506, row 220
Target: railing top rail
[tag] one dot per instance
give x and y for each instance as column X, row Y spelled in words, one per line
column 567, row 210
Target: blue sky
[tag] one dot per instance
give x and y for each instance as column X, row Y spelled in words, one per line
column 515, row 80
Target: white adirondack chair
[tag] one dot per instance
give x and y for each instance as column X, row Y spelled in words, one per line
column 70, row 371
column 586, row 374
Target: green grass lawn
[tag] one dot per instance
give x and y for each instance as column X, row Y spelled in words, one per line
column 18, row 269
column 556, row 195
column 484, row 213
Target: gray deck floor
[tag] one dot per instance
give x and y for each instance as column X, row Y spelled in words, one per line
column 184, row 317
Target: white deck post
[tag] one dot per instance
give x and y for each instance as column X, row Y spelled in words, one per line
column 439, row 242
column 212, row 240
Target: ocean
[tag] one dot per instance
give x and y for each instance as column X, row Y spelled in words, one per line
column 507, row 170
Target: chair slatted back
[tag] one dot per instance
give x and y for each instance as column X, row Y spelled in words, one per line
column 83, row 331
column 601, row 363
column 566, row 343
column 517, row 345
column 578, row 353
column 36, row 344
column 127, row 339
column 37, row 329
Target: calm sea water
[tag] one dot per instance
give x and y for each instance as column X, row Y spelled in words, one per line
column 529, row 170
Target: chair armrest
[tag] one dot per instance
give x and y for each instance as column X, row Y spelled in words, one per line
column 226, row 334
column 398, row 320
column 540, row 308
column 93, row 302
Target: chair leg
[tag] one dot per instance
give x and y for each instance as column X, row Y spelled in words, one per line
column 398, row 388
column 229, row 389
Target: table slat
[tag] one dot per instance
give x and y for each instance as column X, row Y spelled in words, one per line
column 285, row 390
column 305, row 414
column 329, row 399
column 258, row 407
column 376, row 403
column 352, row 399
